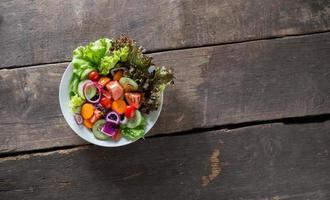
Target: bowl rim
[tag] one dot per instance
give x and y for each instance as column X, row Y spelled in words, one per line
column 108, row 143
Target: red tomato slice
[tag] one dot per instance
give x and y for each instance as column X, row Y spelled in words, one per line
column 130, row 111
column 106, row 102
column 134, row 99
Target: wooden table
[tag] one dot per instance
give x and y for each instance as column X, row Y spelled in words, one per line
column 248, row 118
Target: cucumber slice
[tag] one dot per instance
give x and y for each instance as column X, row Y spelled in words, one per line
column 97, row 130
column 128, row 83
column 135, row 121
column 85, row 73
column 81, row 88
column 90, row 92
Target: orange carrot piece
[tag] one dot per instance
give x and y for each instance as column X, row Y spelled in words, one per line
column 118, row 75
column 119, row 106
column 87, row 123
column 87, row 110
column 104, row 80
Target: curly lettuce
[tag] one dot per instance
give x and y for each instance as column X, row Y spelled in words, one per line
column 152, row 84
column 105, row 54
column 135, row 57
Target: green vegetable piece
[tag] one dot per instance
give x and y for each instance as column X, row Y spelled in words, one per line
column 97, row 130
column 135, row 121
column 94, row 51
column 85, row 73
column 124, row 81
column 136, row 132
column 107, row 63
column 73, row 85
column 133, row 134
column 86, row 59
column 122, row 53
column 75, row 102
column 75, row 109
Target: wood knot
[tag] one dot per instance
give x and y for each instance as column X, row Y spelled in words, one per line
column 215, row 168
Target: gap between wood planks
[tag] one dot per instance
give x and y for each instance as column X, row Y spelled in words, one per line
column 227, row 127
column 188, row 47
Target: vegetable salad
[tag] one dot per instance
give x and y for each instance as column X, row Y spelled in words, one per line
column 114, row 86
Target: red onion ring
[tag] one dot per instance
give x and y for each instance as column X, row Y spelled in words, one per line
column 112, row 117
column 78, row 118
column 108, row 129
column 99, row 91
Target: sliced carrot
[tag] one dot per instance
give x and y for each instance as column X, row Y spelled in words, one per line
column 87, row 110
column 118, row 75
column 104, row 80
column 119, row 106
column 87, row 123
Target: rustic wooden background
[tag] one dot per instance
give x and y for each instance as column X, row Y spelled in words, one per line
column 249, row 117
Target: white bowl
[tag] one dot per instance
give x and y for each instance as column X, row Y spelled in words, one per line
column 84, row 132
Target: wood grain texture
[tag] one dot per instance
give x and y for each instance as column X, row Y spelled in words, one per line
column 272, row 162
column 215, row 86
column 34, row 32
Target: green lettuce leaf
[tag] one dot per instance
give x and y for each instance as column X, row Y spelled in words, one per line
column 85, row 59
column 109, row 62
column 75, row 102
column 93, row 52
column 73, row 85
column 122, row 53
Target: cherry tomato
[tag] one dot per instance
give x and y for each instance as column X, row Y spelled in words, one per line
column 104, row 80
column 130, row 111
column 106, row 102
column 93, row 75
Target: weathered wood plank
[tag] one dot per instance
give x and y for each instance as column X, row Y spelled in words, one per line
column 34, row 32
column 263, row 162
column 215, row 86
